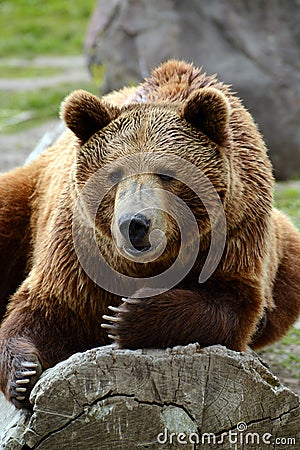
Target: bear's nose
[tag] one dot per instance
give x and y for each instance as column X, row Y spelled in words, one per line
column 135, row 229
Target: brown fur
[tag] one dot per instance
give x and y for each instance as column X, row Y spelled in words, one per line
column 55, row 309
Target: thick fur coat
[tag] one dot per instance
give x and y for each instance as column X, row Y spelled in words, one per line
column 50, row 306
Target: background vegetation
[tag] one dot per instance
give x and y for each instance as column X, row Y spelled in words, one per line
column 31, row 29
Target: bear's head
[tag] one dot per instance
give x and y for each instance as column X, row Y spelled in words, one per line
column 149, row 171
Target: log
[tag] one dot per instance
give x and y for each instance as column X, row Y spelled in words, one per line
column 185, row 397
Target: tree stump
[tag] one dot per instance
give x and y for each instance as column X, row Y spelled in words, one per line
column 185, row 397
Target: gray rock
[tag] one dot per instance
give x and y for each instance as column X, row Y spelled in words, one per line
column 46, row 141
column 252, row 44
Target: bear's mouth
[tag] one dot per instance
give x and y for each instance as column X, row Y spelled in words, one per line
column 143, row 253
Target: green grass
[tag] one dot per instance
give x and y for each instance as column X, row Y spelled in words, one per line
column 291, row 359
column 293, row 337
column 287, row 199
column 19, row 71
column 20, row 110
column 285, row 353
column 31, row 27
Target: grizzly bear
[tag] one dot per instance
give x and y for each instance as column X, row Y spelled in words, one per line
column 123, row 213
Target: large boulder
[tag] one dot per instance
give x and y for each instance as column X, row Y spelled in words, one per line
column 252, row 44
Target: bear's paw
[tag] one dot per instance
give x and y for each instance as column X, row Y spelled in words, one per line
column 26, row 371
column 145, row 322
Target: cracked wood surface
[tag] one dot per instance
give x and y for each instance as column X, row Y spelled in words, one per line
column 108, row 398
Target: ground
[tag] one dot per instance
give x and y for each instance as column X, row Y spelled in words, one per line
column 30, row 101
column 32, row 87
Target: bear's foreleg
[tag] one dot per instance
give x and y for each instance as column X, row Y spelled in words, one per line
column 286, row 289
column 16, row 189
column 215, row 314
column 20, row 368
column 21, row 362
column 37, row 333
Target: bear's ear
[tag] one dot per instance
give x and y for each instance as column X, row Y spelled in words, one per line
column 208, row 110
column 85, row 114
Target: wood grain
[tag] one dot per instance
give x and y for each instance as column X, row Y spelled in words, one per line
column 109, row 398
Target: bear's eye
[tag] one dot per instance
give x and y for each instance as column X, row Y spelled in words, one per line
column 169, row 176
column 115, row 176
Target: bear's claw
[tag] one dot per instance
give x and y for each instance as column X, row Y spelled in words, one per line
column 119, row 325
column 111, row 327
column 111, row 318
column 24, row 377
column 115, row 320
column 130, row 326
column 114, row 309
column 113, row 337
column 131, row 301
